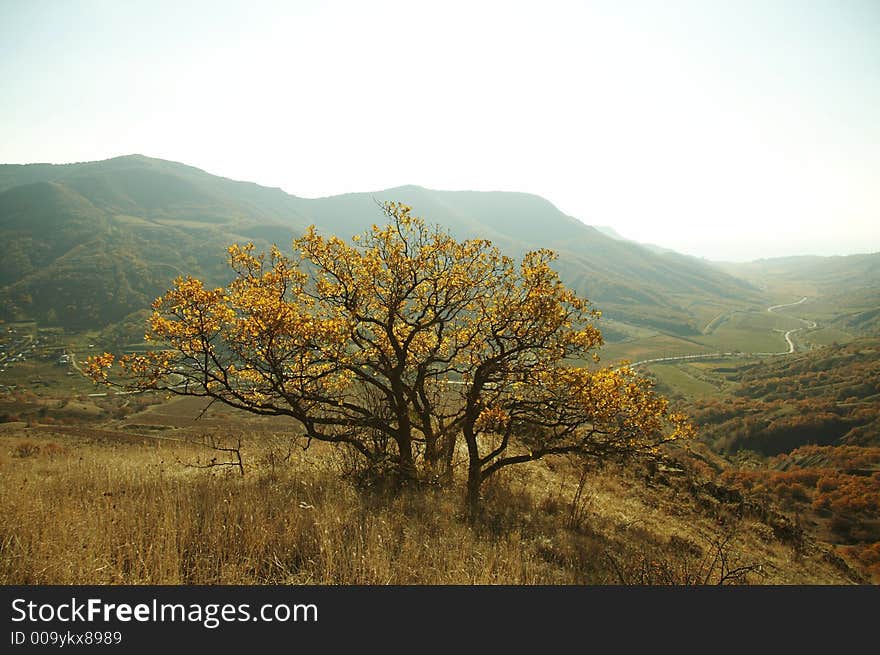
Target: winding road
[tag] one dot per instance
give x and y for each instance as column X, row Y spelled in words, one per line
column 807, row 324
column 790, row 304
column 791, row 347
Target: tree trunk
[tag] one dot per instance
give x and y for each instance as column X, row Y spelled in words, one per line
column 432, row 454
column 448, row 457
column 475, row 473
column 474, row 482
column 406, row 465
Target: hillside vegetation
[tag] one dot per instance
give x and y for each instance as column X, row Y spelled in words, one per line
column 67, row 230
column 826, row 397
column 145, row 514
column 803, row 433
column 847, row 288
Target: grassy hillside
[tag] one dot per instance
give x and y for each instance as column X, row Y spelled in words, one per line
column 87, row 244
column 827, row 273
column 127, row 475
column 156, row 187
column 67, row 262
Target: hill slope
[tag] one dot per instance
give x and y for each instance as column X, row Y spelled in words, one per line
column 824, row 397
column 850, row 271
column 119, row 230
column 803, row 433
column 627, row 281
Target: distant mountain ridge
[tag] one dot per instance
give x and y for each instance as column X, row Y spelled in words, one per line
column 85, row 244
column 830, row 272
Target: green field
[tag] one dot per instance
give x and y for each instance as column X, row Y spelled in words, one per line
column 825, row 337
column 734, row 336
column 684, row 379
column 733, row 339
column 658, row 345
column 709, row 314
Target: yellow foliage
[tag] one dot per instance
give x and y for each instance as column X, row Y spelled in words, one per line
column 411, row 315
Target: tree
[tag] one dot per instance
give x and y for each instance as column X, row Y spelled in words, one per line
column 408, row 337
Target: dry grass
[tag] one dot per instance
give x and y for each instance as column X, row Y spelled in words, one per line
column 118, row 513
column 75, row 510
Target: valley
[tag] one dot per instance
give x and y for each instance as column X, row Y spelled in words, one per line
column 776, row 361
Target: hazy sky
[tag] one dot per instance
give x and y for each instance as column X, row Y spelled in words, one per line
column 730, row 130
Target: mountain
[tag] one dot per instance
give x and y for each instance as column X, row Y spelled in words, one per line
column 627, row 281
column 609, row 231
column 827, row 273
column 86, row 244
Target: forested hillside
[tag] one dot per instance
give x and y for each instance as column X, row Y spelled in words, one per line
column 804, row 433
column 826, row 397
column 86, row 244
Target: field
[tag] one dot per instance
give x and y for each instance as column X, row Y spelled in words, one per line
column 95, row 506
column 708, row 313
column 825, row 337
column 657, row 345
column 747, row 331
column 685, row 379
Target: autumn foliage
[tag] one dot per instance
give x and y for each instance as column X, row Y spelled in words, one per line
column 825, row 397
column 405, row 346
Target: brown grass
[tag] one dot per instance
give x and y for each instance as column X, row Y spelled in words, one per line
column 132, row 514
column 77, row 510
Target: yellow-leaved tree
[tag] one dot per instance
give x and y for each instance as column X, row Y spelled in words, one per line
column 403, row 344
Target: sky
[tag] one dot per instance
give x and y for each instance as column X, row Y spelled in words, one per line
column 726, row 130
